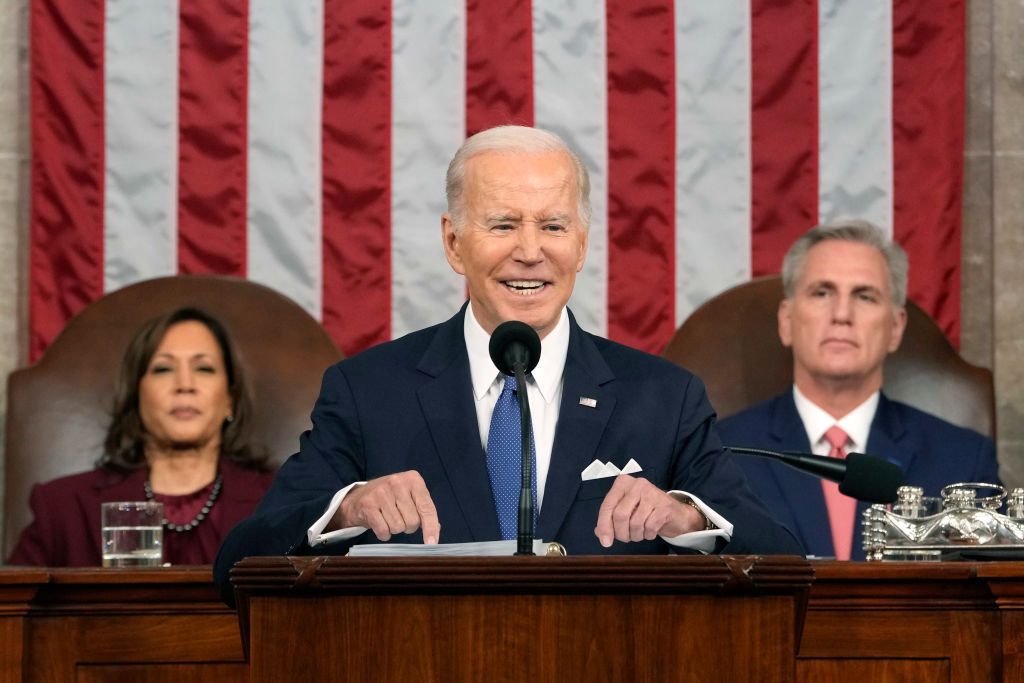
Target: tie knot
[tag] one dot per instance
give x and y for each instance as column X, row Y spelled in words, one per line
column 510, row 383
column 836, row 437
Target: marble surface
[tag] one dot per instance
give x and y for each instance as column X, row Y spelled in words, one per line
column 13, row 190
column 1008, row 232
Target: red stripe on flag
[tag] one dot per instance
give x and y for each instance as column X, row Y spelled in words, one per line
column 499, row 64
column 356, row 158
column 66, row 224
column 784, row 127
column 928, row 144
column 213, row 78
column 641, row 172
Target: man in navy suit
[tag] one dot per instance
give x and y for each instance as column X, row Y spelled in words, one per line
column 397, row 448
column 843, row 312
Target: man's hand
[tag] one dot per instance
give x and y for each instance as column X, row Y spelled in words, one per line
column 635, row 510
column 394, row 504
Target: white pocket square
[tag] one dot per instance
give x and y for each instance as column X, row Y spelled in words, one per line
column 600, row 470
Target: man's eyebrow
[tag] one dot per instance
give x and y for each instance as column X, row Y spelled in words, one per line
column 856, row 289
column 555, row 218
column 816, row 284
column 504, row 218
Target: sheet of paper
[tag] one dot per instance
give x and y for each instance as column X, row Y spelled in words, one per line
column 479, row 548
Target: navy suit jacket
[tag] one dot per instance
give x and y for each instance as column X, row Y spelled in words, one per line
column 408, row 405
column 932, row 453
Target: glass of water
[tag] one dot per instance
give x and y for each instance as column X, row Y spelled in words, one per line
column 133, row 534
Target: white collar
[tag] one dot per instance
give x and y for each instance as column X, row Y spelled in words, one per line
column 856, row 423
column 546, row 376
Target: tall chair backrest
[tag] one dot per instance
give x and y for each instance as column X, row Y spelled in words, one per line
column 59, row 408
column 732, row 343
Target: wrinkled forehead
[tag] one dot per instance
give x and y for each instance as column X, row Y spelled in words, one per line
column 539, row 179
column 847, row 264
column 490, row 165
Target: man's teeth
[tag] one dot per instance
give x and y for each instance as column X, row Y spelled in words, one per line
column 525, row 286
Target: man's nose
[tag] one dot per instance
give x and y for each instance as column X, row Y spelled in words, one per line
column 842, row 310
column 528, row 248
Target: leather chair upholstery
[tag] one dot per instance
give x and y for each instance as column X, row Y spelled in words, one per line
column 59, row 408
column 732, row 343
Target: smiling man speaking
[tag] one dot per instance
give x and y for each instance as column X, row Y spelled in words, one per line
column 399, row 448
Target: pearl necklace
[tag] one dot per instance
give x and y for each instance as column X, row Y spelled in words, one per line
column 207, row 506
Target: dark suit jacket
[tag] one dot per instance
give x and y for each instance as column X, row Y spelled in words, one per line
column 932, row 453
column 408, row 405
column 65, row 530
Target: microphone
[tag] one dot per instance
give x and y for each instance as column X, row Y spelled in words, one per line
column 514, row 344
column 859, row 476
column 515, row 349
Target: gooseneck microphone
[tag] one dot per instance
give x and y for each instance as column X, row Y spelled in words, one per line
column 515, row 349
column 859, row 476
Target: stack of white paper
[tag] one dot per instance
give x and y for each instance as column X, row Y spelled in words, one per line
column 479, row 548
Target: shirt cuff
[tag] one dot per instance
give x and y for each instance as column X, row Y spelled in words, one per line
column 315, row 534
column 702, row 541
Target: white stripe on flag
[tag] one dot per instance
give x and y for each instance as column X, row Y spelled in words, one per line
column 712, row 150
column 855, row 175
column 428, row 124
column 283, row 152
column 570, row 98
column 141, row 141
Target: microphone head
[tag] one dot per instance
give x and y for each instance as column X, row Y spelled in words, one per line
column 871, row 479
column 514, row 343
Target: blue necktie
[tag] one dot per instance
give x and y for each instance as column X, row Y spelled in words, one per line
column 504, row 460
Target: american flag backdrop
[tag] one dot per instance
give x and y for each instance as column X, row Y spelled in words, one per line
column 303, row 143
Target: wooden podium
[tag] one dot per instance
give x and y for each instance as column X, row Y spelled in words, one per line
column 559, row 619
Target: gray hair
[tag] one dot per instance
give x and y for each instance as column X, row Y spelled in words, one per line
column 510, row 140
column 858, row 231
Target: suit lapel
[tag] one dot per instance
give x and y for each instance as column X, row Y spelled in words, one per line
column 450, row 412
column 889, row 439
column 803, row 491
column 579, row 429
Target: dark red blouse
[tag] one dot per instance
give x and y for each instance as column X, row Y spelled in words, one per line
column 65, row 530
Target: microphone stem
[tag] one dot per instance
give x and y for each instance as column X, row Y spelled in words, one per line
column 525, row 521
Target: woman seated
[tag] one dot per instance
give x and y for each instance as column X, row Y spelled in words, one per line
column 179, row 435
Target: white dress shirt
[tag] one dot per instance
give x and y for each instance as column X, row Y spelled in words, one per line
column 856, row 423
column 544, row 389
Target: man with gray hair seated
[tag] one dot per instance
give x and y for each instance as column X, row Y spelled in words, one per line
column 843, row 313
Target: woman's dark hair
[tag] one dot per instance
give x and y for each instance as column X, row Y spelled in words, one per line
column 124, row 445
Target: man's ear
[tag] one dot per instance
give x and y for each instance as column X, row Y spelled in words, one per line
column 583, row 251
column 899, row 326
column 450, row 237
column 785, row 324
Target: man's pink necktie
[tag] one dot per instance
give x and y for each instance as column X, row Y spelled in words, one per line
column 841, row 509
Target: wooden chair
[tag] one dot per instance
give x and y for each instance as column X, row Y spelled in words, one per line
column 732, row 343
column 59, row 408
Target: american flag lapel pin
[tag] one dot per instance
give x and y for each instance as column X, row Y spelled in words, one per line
column 588, row 402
